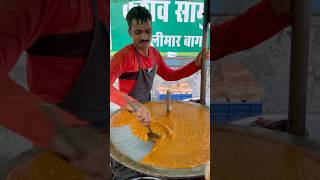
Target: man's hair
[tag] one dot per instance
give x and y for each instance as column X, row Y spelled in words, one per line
column 138, row 13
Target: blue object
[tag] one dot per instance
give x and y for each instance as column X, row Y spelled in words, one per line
column 175, row 96
column 221, row 113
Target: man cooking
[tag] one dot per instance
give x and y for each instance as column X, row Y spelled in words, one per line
column 136, row 64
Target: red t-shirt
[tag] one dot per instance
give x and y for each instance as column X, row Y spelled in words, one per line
column 125, row 64
column 50, row 78
column 256, row 25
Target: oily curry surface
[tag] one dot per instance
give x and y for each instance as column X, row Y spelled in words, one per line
column 184, row 134
column 45, row 166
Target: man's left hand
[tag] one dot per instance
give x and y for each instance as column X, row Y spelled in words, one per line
column 198, row 59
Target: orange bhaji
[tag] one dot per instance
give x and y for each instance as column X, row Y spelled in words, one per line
column 184, row 134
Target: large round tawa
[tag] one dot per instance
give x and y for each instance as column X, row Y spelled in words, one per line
column 127, row 161
column 155, row 171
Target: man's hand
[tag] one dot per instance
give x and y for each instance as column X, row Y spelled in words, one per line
column 281, row 6
column 142, row 113
column 199, row 57
column 93, row 163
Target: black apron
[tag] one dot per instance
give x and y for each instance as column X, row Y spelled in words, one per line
column 88, row 98
column 142, row 88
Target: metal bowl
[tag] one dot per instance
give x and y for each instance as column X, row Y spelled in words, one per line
column 150, row 178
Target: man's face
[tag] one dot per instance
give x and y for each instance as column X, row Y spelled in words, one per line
column 141, row 33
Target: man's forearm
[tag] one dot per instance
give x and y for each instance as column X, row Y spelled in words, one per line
column 20, row 112
column 245, row 31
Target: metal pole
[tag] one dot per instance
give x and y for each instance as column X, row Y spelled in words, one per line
column 299, row 66
column 206, row 20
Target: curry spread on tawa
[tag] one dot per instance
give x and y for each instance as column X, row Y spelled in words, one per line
column 45, row 166
column 184, row 134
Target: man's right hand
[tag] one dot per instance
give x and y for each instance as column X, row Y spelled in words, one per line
column 93, row 163
column 142, row 113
